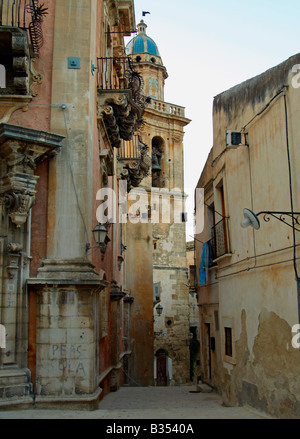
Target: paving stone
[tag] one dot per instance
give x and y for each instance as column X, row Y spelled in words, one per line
column 174, row 402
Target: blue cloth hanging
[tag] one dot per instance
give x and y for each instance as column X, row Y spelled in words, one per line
column 203, row 270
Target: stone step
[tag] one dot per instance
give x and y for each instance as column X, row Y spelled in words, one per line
column 12, row 376
column 15, row 391
column 205, row 388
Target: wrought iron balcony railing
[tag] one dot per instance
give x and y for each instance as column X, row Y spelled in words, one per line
column 130, row 150
column 220, row 239
column 117, row 73
column 27, row 15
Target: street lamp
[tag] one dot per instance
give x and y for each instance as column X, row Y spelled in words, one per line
column 291, row 219
column 99, row 234
column 159, row 309
column 100, row 237
column 251, row 219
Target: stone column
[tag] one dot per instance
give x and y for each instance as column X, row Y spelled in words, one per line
column 67, row 333
column 20, row 148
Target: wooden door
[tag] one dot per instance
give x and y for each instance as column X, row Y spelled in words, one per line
column 161, row 370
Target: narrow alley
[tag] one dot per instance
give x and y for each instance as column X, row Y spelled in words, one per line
column 175, row 402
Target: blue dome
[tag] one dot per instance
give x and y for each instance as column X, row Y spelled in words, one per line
column 142, row 43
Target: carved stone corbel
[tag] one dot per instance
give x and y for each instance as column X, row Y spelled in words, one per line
column 106, row 165
column 13, row 249
column 18, row 205
column 36, row 79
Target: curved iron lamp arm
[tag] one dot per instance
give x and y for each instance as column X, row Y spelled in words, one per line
column 294, row 218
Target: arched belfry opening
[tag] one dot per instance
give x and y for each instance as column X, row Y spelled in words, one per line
column 158, row 162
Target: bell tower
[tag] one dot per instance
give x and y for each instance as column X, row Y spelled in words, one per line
column 163, row 133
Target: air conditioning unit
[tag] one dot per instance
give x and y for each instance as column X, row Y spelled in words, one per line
column 233, row 139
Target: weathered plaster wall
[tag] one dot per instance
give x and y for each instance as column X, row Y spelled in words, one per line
column 257, row 292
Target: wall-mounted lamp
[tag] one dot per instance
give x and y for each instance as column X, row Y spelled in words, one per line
column 250, row 219
column 100, row 237
column 291, row 219
column 159, row 309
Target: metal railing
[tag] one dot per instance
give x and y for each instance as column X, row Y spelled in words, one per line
column 117, row 73
column 220, row 239
column 25, row 14
column 130, row 149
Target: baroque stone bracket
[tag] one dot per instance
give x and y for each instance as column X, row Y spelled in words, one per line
column 116, row 292
column 18, row 205
column 106, row 165
column 134, row 171
column 13, row 250
column 120, row 114
column 17, row 49
column 20, row 149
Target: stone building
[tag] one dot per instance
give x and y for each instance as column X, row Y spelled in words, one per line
column 161, row 226
column 248, row 288
column 195, row 369
column 69, row 99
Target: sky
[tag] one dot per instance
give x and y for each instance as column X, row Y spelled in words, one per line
column 209, row 47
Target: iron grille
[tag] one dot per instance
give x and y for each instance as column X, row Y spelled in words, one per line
column 25, row 14
column 117, row 73
column 220, row 238
column 130, row 149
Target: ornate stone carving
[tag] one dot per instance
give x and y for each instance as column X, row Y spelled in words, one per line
column 13, row 249
column 106, row 165
column 134, row 171
column 18, row 205
column 20, row 148
column 121, row 103
column 36, row 79
column 17, row 64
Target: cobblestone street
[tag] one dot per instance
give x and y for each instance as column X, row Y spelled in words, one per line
column 149, row 403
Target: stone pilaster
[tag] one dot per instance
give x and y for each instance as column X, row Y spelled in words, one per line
column 20, row 149
column 67, row 333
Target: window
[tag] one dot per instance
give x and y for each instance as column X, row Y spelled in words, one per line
column 193, row 276
column 220, row 232
column 228, row 341
column 156, row 291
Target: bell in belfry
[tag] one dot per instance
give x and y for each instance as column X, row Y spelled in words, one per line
column 155, row 164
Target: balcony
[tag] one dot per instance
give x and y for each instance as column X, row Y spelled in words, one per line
column 220, row 239
column 26, row 15
column 121, row 103
column 133, row 161
column 21, row 38
column 166, row 108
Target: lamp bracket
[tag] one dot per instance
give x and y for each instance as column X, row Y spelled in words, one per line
column 291, row 219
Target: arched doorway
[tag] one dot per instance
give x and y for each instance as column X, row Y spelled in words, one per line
column 161, row 367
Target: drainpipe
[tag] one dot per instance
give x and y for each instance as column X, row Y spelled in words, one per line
column 291, row 201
